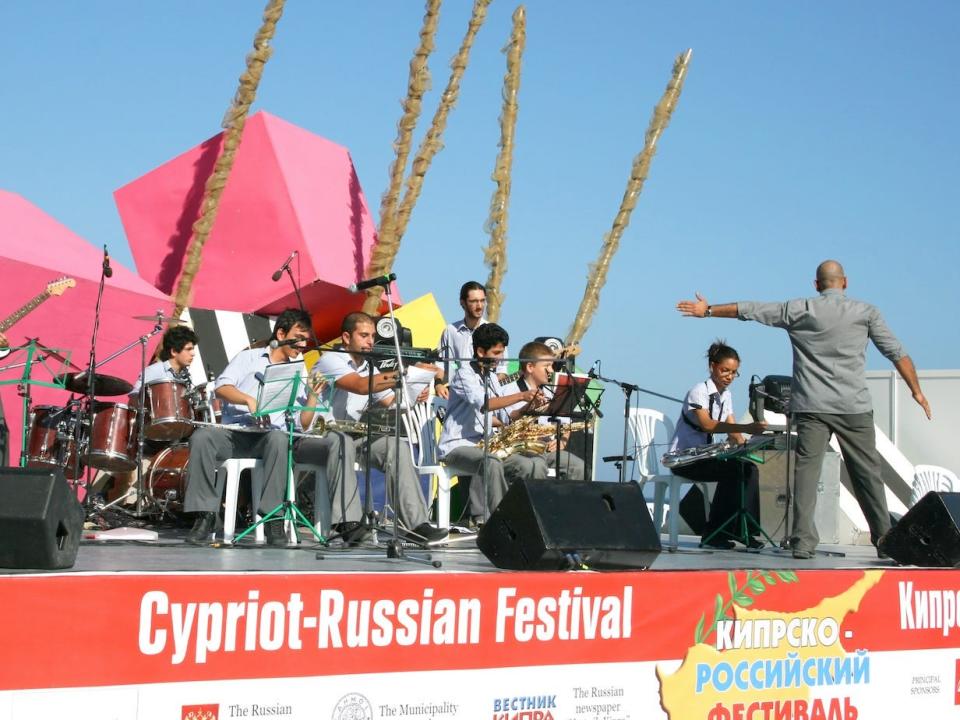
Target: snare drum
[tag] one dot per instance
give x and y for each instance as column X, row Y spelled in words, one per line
column 50, row 442
column 207, row 406
column 167, row 478
column 171, row 416
column 113, row 437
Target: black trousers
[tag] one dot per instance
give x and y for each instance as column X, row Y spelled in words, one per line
column 728, row 474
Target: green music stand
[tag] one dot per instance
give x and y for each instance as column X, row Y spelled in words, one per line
column 279, row 390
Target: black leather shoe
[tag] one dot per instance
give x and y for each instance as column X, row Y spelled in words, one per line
column 351, row 532
column 430, row 534
column 202, row 531
column 274, row 533
column 718, row 543
column 756, row 543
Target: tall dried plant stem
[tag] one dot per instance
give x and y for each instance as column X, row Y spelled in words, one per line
column 597, row 276
column 432, row 143
column 388, row 241
column 495, row 255
column 233, row 123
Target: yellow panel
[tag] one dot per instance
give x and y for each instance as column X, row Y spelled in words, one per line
column 424, row 319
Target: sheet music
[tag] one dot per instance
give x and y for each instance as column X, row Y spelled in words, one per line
column 280, row 386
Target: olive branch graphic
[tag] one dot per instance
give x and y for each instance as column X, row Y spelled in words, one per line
column 754, row 582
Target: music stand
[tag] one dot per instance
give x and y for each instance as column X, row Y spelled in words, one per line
column 569, row 400
column 278, row 392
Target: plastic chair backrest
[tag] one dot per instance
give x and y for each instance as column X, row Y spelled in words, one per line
column 422, row 432
column 932, row 478
column 646, row 451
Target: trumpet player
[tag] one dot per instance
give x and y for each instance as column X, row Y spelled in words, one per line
column 536, row 372
column 349, row 372
column 476, row 395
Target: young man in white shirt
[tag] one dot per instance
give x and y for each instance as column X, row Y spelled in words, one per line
column 349, row 372
column 536, row 367
column 238, row 386
column 475, row 393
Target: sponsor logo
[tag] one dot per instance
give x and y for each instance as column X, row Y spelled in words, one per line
column 525, row 707
column 200, row 712
column 352, row 706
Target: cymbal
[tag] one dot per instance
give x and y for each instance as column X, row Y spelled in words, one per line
column 159, row 318
column 103, row 384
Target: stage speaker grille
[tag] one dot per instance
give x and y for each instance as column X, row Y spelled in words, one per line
column 927, row 535
column 40, row 520
column 557, row 525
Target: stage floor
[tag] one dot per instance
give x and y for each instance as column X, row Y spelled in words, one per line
column 171, row 554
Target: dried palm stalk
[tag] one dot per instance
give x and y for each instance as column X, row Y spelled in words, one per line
column 495, row 255
column 388, row 241
column 597, row 276
column 233, row 123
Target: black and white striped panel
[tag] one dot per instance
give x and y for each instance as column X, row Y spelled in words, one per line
column 221, row 334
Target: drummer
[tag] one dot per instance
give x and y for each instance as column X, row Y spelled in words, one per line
column 177, row 349
column 176, row 353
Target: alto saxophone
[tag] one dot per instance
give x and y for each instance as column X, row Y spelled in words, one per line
column 526, row 436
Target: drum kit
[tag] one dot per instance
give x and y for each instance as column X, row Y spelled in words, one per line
column 109, row 441
column 106, row 436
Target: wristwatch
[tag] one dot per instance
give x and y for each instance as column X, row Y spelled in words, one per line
column 709, row 312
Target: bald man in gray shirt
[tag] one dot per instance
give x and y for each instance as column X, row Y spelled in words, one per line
column 829, row 394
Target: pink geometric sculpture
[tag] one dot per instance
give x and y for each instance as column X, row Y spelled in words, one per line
column 289, row 190
column 35, row 249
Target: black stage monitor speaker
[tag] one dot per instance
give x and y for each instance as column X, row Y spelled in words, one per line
column 561, row 525
column 927, row 535
column 40, row 520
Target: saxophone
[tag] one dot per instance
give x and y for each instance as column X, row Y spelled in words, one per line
column 526, row 436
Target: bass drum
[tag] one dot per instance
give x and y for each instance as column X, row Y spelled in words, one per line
column 167, row 477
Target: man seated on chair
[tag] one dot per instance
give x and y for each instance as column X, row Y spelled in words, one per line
column 349, row 372
column 177, row 349
column 238, row 387
column 536, row 373
column 708, row 410
column 475, row 396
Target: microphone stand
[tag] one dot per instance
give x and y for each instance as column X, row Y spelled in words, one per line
column 628, row 390
column 485, row 374
column 86, row 413
column 394, row 547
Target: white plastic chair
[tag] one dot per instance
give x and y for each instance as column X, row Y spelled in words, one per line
column 644, row 423
column 932, row 478
column 233, row 468
column 321, row 497
column 422, row 431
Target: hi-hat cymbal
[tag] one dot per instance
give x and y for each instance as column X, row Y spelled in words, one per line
column 102, row 385
column 159, row 318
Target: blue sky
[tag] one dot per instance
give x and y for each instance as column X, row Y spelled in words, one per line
column 805, row 131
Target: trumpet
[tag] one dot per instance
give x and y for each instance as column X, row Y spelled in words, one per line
column 354, row 428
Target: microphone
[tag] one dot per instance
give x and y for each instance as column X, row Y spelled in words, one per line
column 381, row 281
column 274, row 344
column 107, row 270
column 279, row 273
column 258, row 376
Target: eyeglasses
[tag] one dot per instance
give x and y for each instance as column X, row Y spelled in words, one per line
column 727, row 371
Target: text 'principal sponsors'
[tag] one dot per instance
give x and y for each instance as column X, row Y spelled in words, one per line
column 194, row 631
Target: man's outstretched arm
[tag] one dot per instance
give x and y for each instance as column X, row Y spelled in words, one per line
column 908, row 372
column 701, row 308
